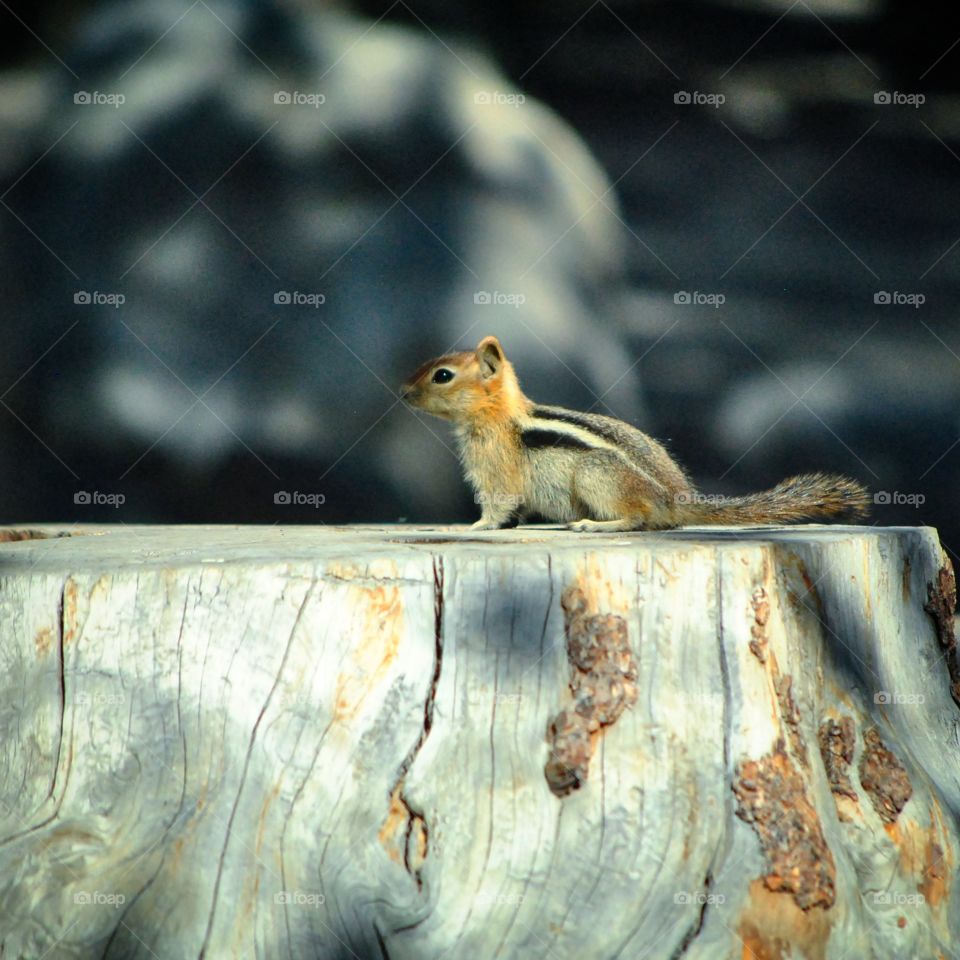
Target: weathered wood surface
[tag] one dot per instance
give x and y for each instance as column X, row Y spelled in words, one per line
column 362, row 742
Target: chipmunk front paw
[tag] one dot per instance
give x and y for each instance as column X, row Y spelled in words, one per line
column 601, row 526
column 482, row 524
column 584, row 526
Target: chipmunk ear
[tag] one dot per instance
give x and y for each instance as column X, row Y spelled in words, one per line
column 489, row 356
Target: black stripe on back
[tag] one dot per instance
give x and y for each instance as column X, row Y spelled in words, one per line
column 578, row 420
column 537, row 439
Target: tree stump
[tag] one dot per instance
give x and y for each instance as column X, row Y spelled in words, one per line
column 391, row 741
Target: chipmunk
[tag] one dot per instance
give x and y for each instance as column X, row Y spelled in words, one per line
column 590, row 471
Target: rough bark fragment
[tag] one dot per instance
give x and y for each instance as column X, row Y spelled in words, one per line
column 837, row 739
column 760, row 605
column 13, row 534
column 884, row 778
column 790, row 715
column 603, row 685
column 905, row 579
column 942, row 605
column 772, row 798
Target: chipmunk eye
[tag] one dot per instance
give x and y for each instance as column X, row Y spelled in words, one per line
column 443, row 375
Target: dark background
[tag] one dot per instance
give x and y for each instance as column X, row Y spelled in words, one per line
column 798, row 198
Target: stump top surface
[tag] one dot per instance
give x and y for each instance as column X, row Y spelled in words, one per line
column 50, row 547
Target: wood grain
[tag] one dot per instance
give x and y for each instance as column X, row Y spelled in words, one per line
column 337, row 742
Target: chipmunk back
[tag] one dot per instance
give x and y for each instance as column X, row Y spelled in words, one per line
column 591, row 471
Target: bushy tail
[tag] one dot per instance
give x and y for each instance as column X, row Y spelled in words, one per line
column 810, row 496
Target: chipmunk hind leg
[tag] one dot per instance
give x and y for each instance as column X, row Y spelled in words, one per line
column 616, row 496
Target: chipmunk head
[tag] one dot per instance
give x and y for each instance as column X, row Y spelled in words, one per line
column 466, row 387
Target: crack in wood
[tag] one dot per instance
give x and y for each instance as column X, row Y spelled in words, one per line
column 245, row 772
column 401, row 816
column 694, row 931
column 62, row 683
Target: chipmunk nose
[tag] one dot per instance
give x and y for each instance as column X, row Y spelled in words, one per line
column 405, row 392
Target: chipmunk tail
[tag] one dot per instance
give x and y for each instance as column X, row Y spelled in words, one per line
column 809, row 496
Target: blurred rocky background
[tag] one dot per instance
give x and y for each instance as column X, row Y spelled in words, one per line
column 228, row 230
